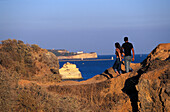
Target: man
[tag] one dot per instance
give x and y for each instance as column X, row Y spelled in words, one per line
column 127, row 48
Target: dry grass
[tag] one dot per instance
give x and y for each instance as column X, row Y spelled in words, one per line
column 33, row 98
column 8, row 85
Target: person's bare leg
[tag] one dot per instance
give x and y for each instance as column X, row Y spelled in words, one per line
column 117, row 73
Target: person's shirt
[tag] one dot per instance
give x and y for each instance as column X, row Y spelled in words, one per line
column 127, row 46
column 118, row 51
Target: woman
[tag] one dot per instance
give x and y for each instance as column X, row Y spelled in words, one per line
column 117, row 64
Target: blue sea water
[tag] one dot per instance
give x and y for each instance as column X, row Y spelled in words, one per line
column 91, row 68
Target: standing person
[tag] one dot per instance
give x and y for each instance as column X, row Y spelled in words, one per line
column 117, row 64
column 128, row 47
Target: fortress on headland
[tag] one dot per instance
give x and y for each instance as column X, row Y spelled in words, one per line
column 80, row 56
column 64, row 54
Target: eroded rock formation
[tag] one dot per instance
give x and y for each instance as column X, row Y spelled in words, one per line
column 70, row 71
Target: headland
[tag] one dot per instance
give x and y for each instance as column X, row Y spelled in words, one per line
column 64, row 54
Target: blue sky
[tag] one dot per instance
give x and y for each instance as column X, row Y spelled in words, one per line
column 88, row 25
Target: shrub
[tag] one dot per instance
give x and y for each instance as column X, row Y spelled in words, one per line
column 35, row 47
column 20, row 42
column 28, row 60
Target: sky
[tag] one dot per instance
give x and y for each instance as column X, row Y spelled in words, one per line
column 86, row 25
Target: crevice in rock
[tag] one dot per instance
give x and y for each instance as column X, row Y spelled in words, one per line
column 131, row 91
column 160, row 98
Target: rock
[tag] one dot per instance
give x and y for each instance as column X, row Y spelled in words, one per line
column 161, row 52
column 154, row 83
column 153, row 89
column 70, row 71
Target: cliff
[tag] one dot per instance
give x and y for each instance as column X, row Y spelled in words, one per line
column 70, row 71
column 154, row 83
column 80, row 56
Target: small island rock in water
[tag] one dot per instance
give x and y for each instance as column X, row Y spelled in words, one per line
column 70, row 71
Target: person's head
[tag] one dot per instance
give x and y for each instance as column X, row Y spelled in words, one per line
column 126, row 39
column 117, row 45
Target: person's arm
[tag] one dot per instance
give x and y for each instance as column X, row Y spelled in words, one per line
column 119, row 54
column 123, row 53
column 133, row 58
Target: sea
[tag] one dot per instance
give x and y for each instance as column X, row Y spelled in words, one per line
column 91, row 67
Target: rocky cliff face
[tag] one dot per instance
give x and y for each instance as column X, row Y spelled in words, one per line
column 154, row 88
column 70, row 71
column 154, row 83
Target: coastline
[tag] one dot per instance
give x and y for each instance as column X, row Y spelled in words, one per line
column 65, row 60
